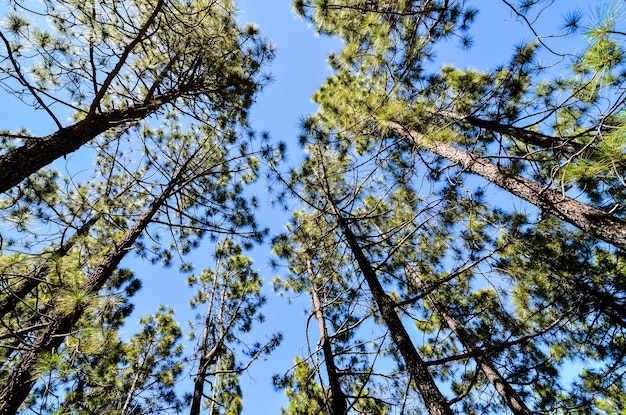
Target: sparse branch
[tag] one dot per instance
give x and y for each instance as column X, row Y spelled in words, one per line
column 27, row 84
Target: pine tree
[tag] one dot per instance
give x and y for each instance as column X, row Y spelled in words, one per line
column 110, row 65
column 343, row 364
column 231, row 293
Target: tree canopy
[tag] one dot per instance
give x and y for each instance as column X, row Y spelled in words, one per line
column 458, row 233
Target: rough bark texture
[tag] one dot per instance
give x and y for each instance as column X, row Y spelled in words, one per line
column 596, row 222
column 338, row 403
column 430, row 393
column 18, row 164
column 500, row 384
column 21, row 380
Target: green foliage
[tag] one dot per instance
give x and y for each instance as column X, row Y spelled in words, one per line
column 536, row 300
column 167, row 174
column 305, row 396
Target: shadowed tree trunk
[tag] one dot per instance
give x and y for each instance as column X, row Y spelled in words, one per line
column 18, row 164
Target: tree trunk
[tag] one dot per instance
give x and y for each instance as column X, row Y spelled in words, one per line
column 18, row 164
column 198, row 384
column 500, row 384
column 338, row 401
column 21, row 380
column 432, row 396
column 23, row 161
column 596, row 222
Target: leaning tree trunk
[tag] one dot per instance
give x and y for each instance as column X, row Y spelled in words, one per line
column 338, row 402
column 21, row 380
column 431, row 395
column 596, row 222
column 499, row 383
column 18, row 164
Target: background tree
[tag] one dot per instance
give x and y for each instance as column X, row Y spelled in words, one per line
column 231, row 293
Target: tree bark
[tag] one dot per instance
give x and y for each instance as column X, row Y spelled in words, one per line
column 596, row 222
column 18, row 164
column 431, row 395
column 23, row 161
column 500, row 384
column 338, row 403
column 21, row 379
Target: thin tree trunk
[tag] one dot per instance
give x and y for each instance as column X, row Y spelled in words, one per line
column 19, row 383
column 432, row 396
column 596, row 222
column 207, row 357
column 500, row 384
column 338, row 401
column 199, row 379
